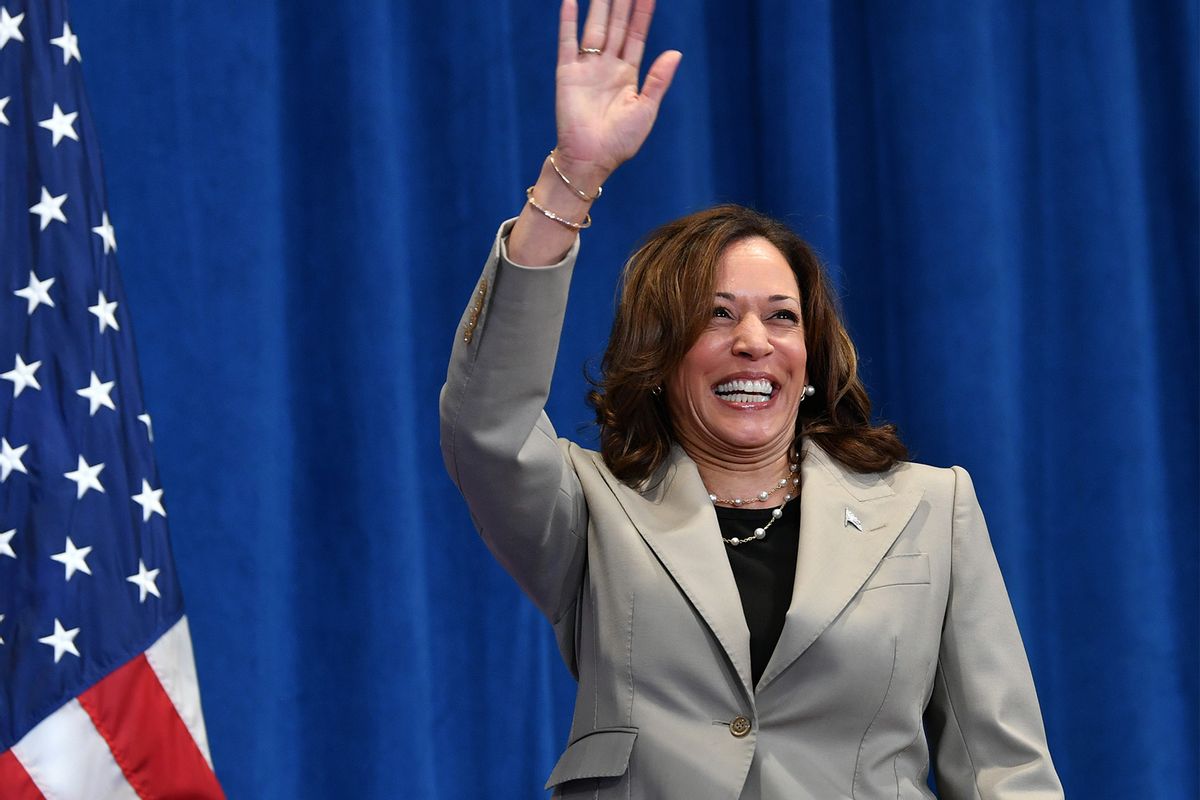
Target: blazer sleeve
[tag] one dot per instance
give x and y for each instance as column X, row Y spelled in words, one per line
column 983, row 718
column 497, row 442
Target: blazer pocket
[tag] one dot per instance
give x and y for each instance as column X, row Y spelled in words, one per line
column 906, row 568
column 602, row 753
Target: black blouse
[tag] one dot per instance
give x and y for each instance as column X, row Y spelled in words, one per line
column 765, row 571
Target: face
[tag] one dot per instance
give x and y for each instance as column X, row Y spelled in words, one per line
column 735, row 395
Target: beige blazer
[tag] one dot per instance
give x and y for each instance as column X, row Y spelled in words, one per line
column 899, row 640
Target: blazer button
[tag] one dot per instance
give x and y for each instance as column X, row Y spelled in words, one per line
column 481, row 293
column 739, row 727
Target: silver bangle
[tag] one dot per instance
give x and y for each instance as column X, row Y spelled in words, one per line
column 575, row 226
column 582, row 194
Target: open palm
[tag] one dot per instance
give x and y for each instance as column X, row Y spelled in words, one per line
column 602, row 118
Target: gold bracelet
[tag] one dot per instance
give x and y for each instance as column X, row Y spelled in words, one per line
column 575, row 226
column 582, row 194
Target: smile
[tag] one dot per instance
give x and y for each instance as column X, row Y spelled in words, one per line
column 745, row 391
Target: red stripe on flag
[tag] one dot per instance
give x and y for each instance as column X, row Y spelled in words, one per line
column 148, row 739
column 15, row 783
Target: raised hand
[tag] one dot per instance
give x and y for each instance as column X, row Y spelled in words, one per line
column 602, row 118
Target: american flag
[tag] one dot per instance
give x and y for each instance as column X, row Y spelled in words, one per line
column 98, row 692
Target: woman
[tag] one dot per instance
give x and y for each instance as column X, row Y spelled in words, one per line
column 758, row 599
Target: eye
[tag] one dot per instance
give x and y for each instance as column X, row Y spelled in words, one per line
column 790, row 316
column 722, row 311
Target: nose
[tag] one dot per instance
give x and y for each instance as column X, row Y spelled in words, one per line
column 750, row 338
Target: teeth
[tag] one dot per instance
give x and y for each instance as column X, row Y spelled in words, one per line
column 743, row 398
column 744, row 391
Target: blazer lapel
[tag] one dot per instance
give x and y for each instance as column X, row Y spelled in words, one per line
column 676, row 519
column 838, row 551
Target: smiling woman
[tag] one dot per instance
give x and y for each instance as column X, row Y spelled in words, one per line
column 686, row 292
column 758, row 598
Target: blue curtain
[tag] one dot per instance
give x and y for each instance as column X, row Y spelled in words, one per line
column 304, row 192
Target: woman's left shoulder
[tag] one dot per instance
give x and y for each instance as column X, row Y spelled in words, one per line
column 936, row 482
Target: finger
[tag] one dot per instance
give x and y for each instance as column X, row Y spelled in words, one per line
column 568, row 24
column 661, row 73
column 635, row 37
column 618, row 22
column 596, row 25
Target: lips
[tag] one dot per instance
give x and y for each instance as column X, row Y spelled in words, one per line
column 745, row 390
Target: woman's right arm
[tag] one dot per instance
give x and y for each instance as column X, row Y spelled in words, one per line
column 498, row 444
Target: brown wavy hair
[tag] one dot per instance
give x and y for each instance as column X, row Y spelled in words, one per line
column 666, row 301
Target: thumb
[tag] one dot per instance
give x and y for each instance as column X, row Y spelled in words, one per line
column 658, row 79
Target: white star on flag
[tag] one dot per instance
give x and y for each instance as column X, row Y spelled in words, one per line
column 22, row 376
column 103, row 310
column 145, row 581
column 150, row 500
column 86, row 476
column 1, row 637
column 105, row 231
column 10, row 459
column 62, row 640
column 60, row 125
column 69, row 43
column 74, row 558
column 6, row 543
column 10, row 27
column 49, row 208
column 97, row 393
column 3, row 116
column 37, row 292
column 145, row 420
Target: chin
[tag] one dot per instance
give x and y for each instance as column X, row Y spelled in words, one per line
column 750, row 440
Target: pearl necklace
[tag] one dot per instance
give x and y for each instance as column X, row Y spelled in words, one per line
column 763, row 495
column 760, row 533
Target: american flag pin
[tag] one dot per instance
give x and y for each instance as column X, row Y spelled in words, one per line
column 852, row 519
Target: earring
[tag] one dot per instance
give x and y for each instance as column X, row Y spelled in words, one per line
column 657, row 390
column 809, row 391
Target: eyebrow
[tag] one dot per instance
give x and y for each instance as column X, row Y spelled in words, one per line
column 775, row 298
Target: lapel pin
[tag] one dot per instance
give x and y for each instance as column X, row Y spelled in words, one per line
column 852, row 519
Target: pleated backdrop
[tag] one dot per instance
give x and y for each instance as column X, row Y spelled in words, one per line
column 304, row 192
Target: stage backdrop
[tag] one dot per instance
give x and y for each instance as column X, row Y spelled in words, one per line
column 303, row 194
